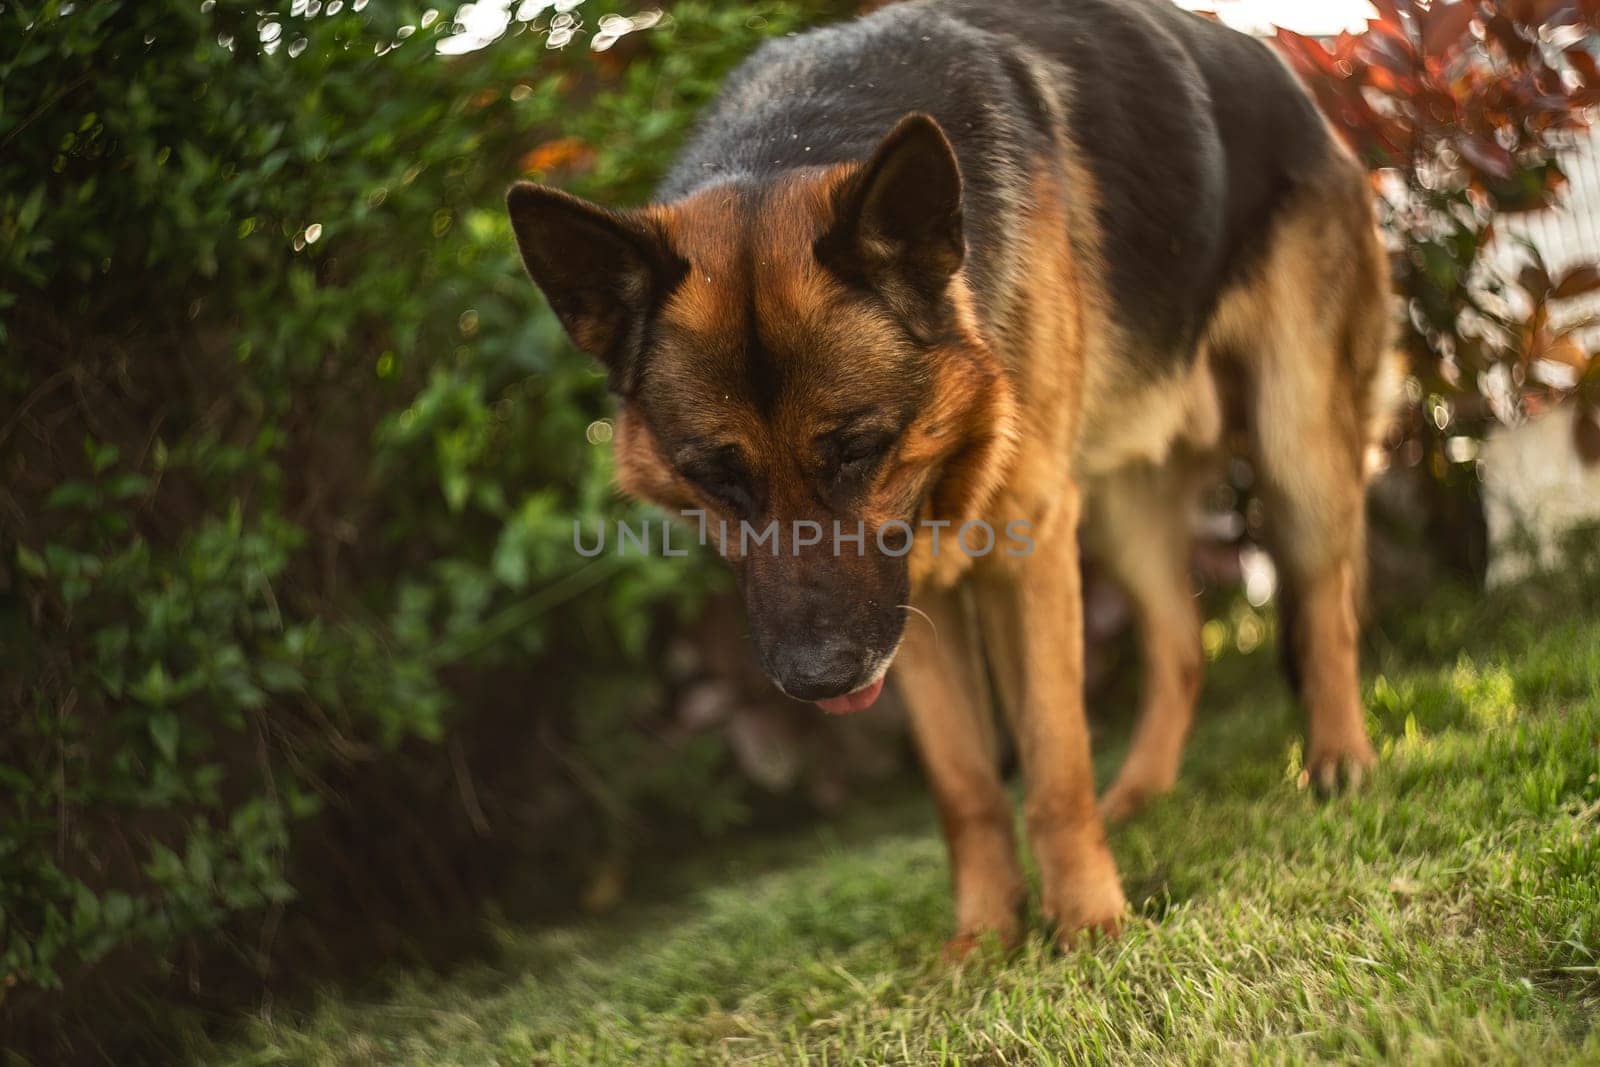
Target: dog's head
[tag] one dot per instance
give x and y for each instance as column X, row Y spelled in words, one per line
column 797, row 359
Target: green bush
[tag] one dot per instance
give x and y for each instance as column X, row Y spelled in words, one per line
column 291, row 448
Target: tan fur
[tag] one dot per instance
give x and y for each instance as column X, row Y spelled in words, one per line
column 975, row 411
column 642, row 471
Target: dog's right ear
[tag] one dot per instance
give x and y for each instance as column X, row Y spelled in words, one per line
column 603, row 271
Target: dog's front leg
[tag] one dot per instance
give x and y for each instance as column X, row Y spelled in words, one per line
column 1032, row 615
column 940, row 677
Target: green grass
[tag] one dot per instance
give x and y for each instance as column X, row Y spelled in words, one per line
column 1450, row 914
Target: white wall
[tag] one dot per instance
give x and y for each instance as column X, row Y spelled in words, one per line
column 1316, row 18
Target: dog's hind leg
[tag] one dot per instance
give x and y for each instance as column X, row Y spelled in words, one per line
column 1138, row 529
column 939, row 675
column 1313, row 332
column 1312, row 486
column 1317, row 539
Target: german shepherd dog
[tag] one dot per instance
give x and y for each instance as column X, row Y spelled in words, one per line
column 1000, row 262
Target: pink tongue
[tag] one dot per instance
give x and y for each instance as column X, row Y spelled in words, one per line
column 850, row 703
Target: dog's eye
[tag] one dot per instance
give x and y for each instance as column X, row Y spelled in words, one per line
column 725, row 483
column 858, row 453
column 860, row 449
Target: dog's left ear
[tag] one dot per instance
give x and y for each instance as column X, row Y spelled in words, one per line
column 897, row 225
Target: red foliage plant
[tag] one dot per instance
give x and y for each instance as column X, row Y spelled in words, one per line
column 1464, row 111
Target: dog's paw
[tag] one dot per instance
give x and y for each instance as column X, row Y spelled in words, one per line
column 1091, row 926
column 989, row 899
column 1331, row 770
column 1085, row 908
column 984, row 942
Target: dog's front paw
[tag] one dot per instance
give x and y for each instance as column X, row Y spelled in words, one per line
column 989, row 914
column 989, row 888
column 1338, row 768
column 1082, row 911
column 1001, row 937
column 1080, row 893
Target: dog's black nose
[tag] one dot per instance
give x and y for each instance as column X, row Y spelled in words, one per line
column 819, row 672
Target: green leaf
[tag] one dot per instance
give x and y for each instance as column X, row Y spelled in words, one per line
column 85, row 909
column 72, row 495
column 198, row 862
column 163, row 728
column 117, row 908
column 155, row 688
column 131, row 484
column 28, row 215
column 280, row 677
column 31, row 562
column 100, row 456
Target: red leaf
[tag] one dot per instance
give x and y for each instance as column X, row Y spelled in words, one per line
column 1344, row 45
column 1386, row 81
column 1390, row 52
column 1487, row 157
column 1534, row 281
column 1438, row 106
column 1390, row 10
column 1586, row 430
column 1537, row 12
column 1563, row 349
column 1586, row 66
column 1384, row 28
column 1505, row 31
column 1578, row 282
column 1307, row 50
column 1445, row 27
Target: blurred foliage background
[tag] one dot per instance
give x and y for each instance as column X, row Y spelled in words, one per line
column 291, row 455
column 297, row 663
